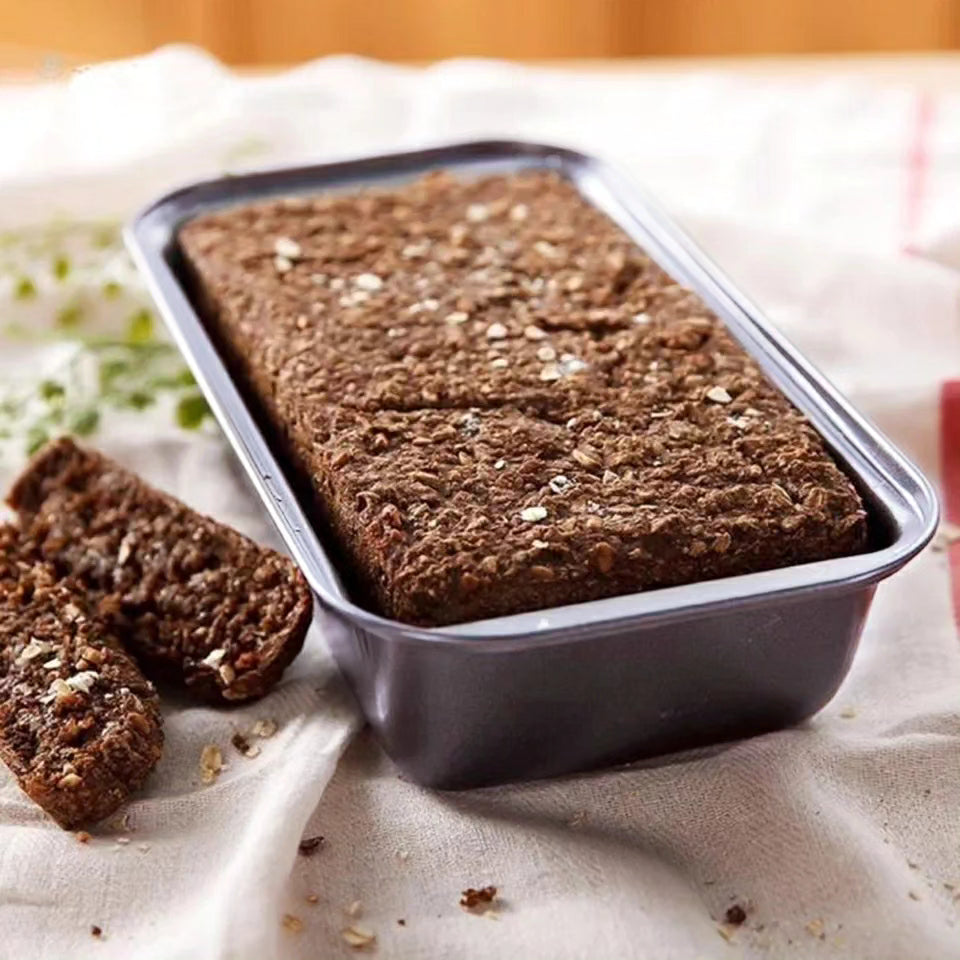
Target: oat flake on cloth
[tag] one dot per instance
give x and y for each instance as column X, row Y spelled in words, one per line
column 840, row 838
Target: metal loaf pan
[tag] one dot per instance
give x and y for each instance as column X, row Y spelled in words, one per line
column 570, row 688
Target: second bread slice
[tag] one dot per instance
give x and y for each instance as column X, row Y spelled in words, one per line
column 194, row 601
column 80, row 726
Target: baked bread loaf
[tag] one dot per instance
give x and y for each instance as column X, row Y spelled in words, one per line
column 501, row 404
column 80, row 726
column 194, row 601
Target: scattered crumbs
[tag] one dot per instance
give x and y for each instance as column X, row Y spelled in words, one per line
column 533, row 332
column 122, row 841
column 401, row 922
column 496, row 331
column 354, row 909
column 642, row 319
column 359, row 937
column 500, row 464
column 541, row 544
column 518, row 212
column 472, row 897
column 144, row 847
column 282, row 264
column 550, row 372
column 815, row 929
column 292, row 923
column 533, row 514
column 546, row 354
column 718, row 395
column 458, row 317
column 96, row 931
column 244, row 746
column 211, row 763
column 312, row 899
column 848, row 713
column 83, row 837
column 725, row 933
column 264, row 729
column 403, row 855
column 310, row 845
column 735, row 916
column 578, row 819
column 500, row 363
column 913, row 895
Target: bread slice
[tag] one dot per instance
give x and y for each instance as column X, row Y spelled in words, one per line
column 194, row 601
column 80, row 725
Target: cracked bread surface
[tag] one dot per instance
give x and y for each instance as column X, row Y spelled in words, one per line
column 500, row 403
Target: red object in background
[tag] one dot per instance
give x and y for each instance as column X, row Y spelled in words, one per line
column 950, row 472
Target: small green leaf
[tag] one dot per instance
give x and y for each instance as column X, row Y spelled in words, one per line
column 179, row 380
column 112, row 289
column 15, row 331
column 111, row 370
column 140, row 326
column 138, row 400
column 105, row 235
column 191, row 411
column 61, row 267
column 84, row 422
column 36, row 438
column 25, row 289
column 51, row 390
column 70, row 317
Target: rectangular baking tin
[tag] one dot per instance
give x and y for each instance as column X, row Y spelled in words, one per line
column 570, row 688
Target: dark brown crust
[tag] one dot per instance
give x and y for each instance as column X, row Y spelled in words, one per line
column 78, row 751
column 178, row 587
column 446, row 361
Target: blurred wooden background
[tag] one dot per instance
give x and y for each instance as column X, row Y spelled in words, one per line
column 271, row 32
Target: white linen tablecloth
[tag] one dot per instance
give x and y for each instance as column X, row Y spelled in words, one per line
column 837, row 207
